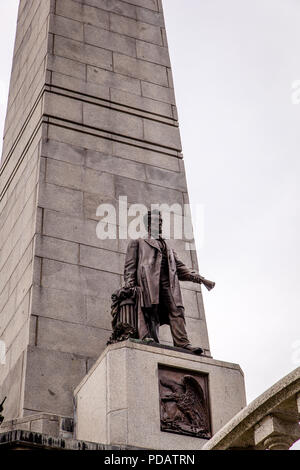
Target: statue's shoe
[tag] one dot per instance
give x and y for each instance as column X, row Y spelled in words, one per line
column 149, row 340
column 194, row 349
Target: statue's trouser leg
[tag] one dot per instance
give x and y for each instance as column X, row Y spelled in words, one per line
column 152, row 324
column 178, row 330
column 176, row 317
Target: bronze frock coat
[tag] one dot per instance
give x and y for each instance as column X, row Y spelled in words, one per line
column 142, row 268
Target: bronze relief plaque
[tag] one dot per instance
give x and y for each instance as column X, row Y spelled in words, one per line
column 184, row 402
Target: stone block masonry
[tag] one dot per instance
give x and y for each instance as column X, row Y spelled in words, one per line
column 91, row 117
column 117, row 403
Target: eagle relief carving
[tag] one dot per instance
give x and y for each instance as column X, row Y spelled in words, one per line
column 184, row 403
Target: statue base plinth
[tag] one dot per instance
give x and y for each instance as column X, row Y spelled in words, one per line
column 156, row 397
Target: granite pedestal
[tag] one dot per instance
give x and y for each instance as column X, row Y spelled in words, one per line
column 118, row 402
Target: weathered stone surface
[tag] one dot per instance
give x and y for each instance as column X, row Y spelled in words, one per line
column 79, row 178
column 167, row 136
column 98, row 311
column 66, row 27
column 83, row 13
column 29, row 54
column 4, row 296
column 84, row 53
column 142, row 105
column 43, row 423
column 49, row 427
column 19, row 213
column 140, row 69
column 52, row 390
column 118, row 166
column 64, row 152
column 146, row 156
column 151, row 4
column 98, row 385
column 190, row 303
column 109, row 40
column 122, row 386
column 61, row 199
column 63, row 107
column 66, row 66
column 76, row 229
column 29, row 440
column 157, row 92
column 170, row 78
column 54, row 248
column 19, row 284
column 80, row 86
column 117, row 426
column 113, row 80
column 273, row 433
column 11, row 387
column 64, row 174
column 169, row 179
column 116, row 6
column 137, row 191
column 104, row 260
column 76, row 278
column 18, row 345
column 197, row 332
column 136, row 29
column 12, row 275
column 17, row 322
column 73, row 338
column 58, row 304
column 77, row 137
column 152, row 53
column 91, row 203
column 152, row 17
column 12, row 233
column 112, row 121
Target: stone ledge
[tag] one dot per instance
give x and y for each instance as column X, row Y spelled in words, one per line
column 161, row 349
column 170, row 348
column 279, row 400
column 22, row 440
column 45, row 423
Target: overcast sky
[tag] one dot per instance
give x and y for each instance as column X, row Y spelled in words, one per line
column 234, row 62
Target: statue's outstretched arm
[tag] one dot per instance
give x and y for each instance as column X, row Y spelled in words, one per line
column 186, row 274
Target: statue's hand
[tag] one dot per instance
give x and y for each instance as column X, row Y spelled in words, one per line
column 201, row 280
column 196, row 278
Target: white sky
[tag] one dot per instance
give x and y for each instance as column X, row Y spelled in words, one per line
column 233, row 64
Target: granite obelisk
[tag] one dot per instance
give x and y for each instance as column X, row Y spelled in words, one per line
column 91, row 116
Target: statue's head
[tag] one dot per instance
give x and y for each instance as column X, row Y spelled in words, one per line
column 153, row 223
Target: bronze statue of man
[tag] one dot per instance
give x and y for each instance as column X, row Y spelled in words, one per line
column 154, row 267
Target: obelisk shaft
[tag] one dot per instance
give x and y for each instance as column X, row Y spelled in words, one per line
column 91, row 117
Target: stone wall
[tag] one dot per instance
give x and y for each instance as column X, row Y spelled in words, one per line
column 19, row 176
column 97, row 79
